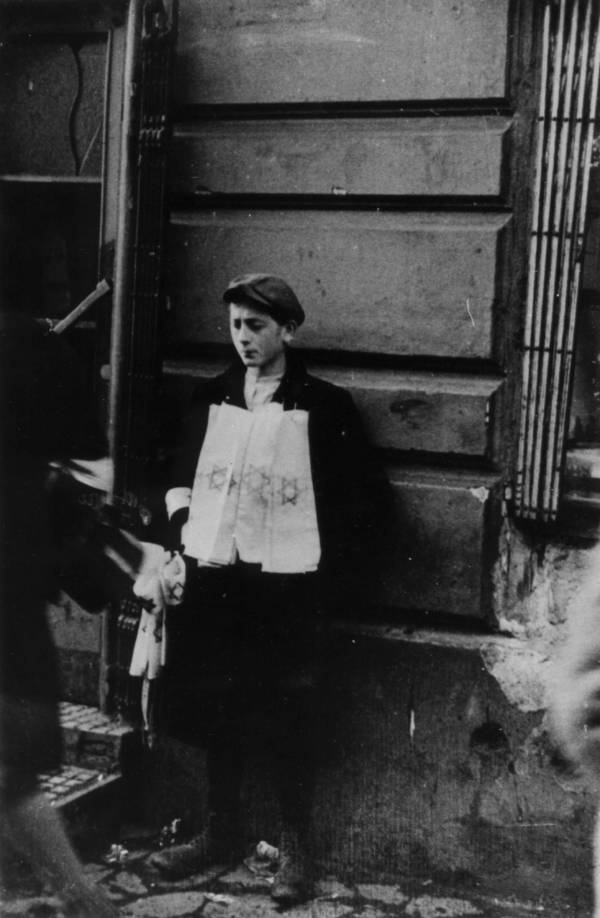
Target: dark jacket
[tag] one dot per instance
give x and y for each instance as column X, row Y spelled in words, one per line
column 346, row 480
column 43, row 416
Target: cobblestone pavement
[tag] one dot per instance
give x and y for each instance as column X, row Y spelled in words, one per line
column 140, row 893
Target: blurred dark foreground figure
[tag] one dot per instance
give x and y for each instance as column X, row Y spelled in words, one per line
column 45, row 426
column 574, row 689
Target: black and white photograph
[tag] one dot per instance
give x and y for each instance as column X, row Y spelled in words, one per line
column 299, row 458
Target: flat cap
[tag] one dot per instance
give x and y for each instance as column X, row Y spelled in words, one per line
column 269, row 293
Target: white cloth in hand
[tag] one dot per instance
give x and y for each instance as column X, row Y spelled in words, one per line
column 161, row 583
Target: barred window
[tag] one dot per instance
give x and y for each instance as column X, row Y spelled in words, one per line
column 570, row 72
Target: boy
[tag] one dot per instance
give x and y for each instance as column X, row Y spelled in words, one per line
column 270, row 507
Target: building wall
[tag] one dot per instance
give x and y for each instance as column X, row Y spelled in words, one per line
column 370, row 155
column 78, row 637
column 381, row 160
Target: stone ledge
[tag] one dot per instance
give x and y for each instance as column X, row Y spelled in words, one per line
column 437, row 637
column 522, row 673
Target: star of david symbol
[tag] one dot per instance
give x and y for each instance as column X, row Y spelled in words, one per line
column 217, row 478
column 157, row 632
column 290, row 491
column 258, row 482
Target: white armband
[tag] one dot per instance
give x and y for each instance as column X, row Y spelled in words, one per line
column 176, row 499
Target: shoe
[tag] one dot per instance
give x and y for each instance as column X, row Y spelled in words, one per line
column 263, row 861
column 204, row 850
column 292, row 883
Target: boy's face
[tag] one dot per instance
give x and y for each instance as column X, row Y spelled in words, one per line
column 258, row 338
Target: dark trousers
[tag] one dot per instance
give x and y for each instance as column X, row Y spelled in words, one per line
column 246, row 648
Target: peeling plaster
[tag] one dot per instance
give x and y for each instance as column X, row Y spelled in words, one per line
column 535, row 584
column 521, row 673
column 481, row 493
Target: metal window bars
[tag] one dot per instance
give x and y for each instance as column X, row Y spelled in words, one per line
column 568, row 101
